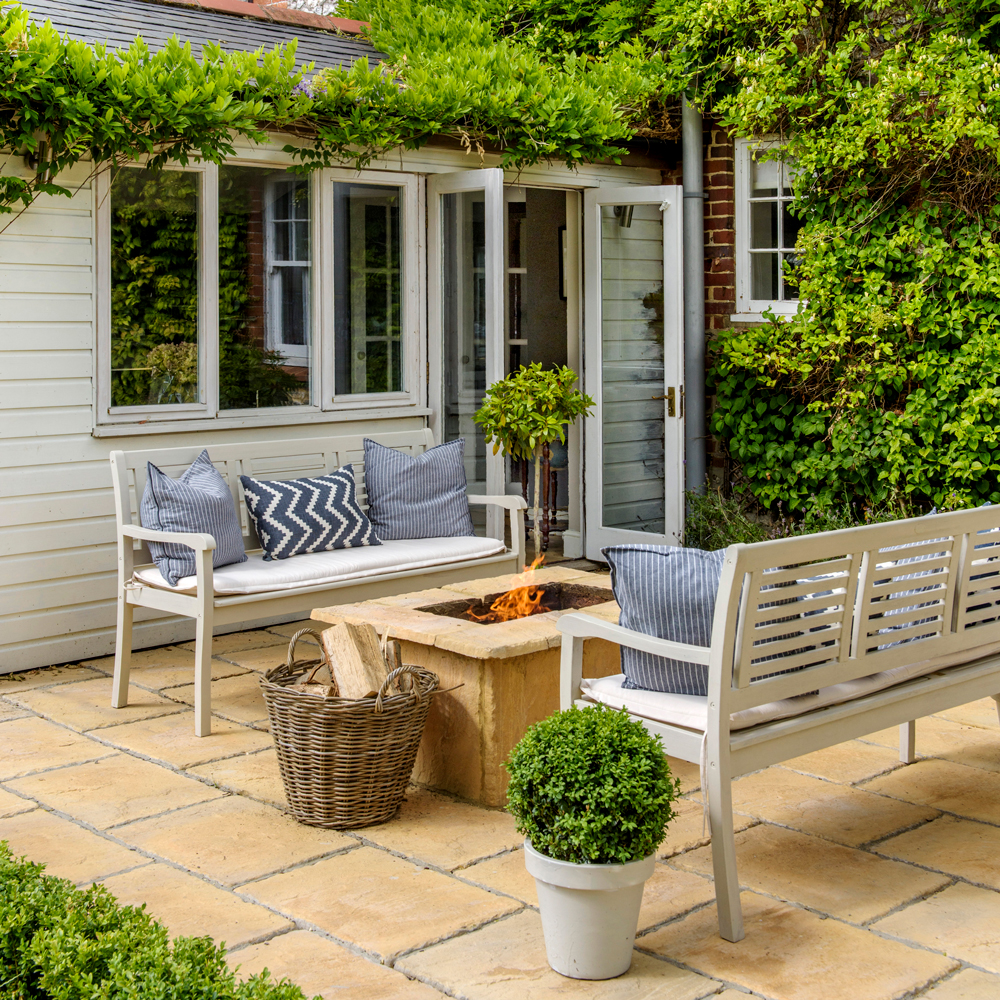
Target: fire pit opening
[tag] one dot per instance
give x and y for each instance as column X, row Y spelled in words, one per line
column 521, row 602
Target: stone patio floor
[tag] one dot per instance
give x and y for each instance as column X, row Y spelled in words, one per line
column 864, row 879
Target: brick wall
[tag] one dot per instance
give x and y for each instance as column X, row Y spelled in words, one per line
column 720, row 260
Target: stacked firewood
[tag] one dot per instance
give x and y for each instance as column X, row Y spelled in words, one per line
column 355, row 663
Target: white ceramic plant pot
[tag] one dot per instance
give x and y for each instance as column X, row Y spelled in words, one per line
column 589, row 913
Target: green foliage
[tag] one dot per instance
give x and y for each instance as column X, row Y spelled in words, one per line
column 531, row 408
column 883, row 388
column 58, row 942
column 591, row 786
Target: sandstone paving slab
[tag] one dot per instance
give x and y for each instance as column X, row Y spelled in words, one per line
column 86, row 705
column 955, row 741
column 27, row 680
column 542, row 575
column 840, row 813
column 963, row 921
column 9, row 711
column 967, row 984
column 688, row 773
column 443, row 832
column 976, row 713
column 378, row 902
column 11, row 804
column 236, row 642
column 162, row 667
column 419, row 598
column 667, row 894
column 231, row 840
column 191, row 907
column 846, row 762
column 688, row 829
column 171, row 739
column 254, row 774
column 265, row 658
column 290, row 628
column 791, row 954
column 941, row 784
column 113, row 790
column 67, row 850
column 33, row 744
column 841, row 881
column 323, row 968
column 959, row 847
column 166, row 678
column 506, row 961
column 238, row 698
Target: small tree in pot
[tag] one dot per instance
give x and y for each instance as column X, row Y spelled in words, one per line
column 592, row 791
column 528, row 410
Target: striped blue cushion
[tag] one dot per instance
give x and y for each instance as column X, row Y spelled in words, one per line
column 667, row 592
column 296, row 516
column 198, row 500
column 417, row 497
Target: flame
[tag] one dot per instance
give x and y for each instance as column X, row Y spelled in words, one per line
column 518, row 602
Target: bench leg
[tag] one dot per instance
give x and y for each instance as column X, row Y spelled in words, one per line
column 727, row 883
column 908, row 742
column 123, row 653
column 203, row 675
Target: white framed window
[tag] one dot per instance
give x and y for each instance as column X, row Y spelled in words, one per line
column 766, row 231
column 216, row 303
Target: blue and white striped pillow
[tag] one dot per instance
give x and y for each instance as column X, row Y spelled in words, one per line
column 421, row 496
column 198, row 500
column 668, row 592
column 297, row 516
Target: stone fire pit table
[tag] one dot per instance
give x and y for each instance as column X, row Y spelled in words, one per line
column 509, row 671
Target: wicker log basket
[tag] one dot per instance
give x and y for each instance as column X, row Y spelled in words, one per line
column 345, row 763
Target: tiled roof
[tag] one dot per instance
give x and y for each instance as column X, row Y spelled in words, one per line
column 234, row 24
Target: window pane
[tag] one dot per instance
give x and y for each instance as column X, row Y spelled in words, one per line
column 264, row 288
column 632, row 369
column 463, row 315
column 790, row 227
column 154, row 287
column 789, row 291
column 763, row 176
column 367, row 252
column 763, row 224
column 764, row 276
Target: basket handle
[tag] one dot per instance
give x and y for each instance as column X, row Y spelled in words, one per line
column 404, row 669
column 290, row 660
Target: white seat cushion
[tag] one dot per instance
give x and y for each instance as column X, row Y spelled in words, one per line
column 691, row 711
column 255, row 576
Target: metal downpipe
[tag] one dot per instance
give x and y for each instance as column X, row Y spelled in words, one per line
column 695, row 467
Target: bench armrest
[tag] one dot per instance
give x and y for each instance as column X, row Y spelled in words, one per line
column 577, row 627
column 516, row 507
column 588, row 627
column 193, row 540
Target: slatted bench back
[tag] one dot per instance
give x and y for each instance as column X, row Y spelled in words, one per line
column 270, row 460
column 822, row 609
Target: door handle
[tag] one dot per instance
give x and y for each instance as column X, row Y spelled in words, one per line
column 671, row 397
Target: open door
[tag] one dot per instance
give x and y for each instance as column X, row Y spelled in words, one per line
column 466, row 314
column 634, row 364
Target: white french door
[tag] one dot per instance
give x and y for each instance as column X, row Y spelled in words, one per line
column 466, row 314
column 634, row 365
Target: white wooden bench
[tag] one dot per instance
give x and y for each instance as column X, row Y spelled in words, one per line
column 870, row 645
column 204, row 599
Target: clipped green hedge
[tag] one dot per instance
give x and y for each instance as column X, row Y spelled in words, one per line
column 591, row 786
column 58, row 942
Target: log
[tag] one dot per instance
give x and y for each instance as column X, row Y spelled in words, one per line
column 394, row 659
column 355, row 658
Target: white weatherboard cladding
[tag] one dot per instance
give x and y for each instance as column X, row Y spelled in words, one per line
column 57, row 552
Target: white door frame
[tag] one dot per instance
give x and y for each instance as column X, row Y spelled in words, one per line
column 670, row 200
column 489, row 180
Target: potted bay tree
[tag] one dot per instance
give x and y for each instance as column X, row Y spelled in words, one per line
column 591, row 790
column 526, row 412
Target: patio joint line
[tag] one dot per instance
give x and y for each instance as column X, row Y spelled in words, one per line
column 452, row 935
column 168, row 812
column 296, row 865
column 486, row 857
column 724, row 984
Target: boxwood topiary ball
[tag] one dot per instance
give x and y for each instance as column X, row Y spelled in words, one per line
column 591, row 786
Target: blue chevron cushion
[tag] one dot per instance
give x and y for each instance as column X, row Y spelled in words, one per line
column 297, row 516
